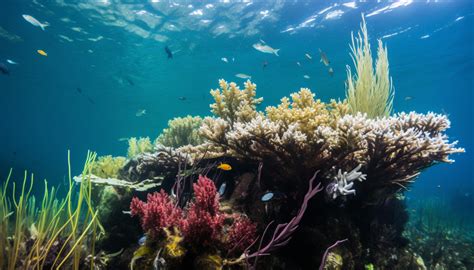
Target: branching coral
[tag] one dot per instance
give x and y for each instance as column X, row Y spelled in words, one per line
column 181, row 131
column 233, row 104
column 136, row 147
column 307, row 135
column 368, row 91
column 108, row 166
column 306, row 112
column 344, row 182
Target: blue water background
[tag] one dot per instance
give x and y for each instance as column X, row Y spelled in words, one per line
column 44, row 115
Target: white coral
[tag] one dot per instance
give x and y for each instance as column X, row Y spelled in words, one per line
column 344, row 182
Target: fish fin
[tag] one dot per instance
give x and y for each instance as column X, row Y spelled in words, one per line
column 276, row 52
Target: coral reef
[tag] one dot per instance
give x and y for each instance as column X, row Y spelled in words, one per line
column 391, row 151
column 181, row 131
column 206, row 217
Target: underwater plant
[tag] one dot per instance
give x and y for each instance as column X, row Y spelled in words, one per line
column 369, row 91
column 181, row 131
column 58, row 234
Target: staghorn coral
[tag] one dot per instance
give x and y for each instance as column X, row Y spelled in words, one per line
column 307, row 112
column 108, row 166
column 233, row 104
column 140, row 146
column 181, row 131
column 369, row 91
column 391, row 150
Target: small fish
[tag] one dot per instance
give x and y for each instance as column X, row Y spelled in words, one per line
column 308, row 56
column 264, row 64
column 79, row 90
column 90, row 100
column 270, row 195
column 225, row 60
column 407, row 98
column 243, row 76
column 233, row 59
column 182, row 98
column 140, row 113
column 34, row 21
column 4, row 69
column 331, row 71
column 438, row 186
column 168, row 52
column 43, row 53
column 130, row 82
column 298, row 63
column 307, row 77
column 126, row 212
column 222, row 189
column 142, row 240
column 262, row 47
column 324, row 58
column 267, row 197
column 123, row 139
column 224, row 167
column 11, row 62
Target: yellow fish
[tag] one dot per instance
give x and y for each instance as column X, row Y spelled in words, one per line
column 224, row 167
column 43, row 53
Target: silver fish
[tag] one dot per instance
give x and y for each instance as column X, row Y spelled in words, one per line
column 308, row 56
column 222, row 189
column 267, row 197
column 11, row 62
column 225, row 59
column 34, row 21
column 261, row 47
column 140, row 113
column 307, row 77
column 324, row 58
column 243, row 76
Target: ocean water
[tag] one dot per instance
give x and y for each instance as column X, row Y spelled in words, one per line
column 106, row 61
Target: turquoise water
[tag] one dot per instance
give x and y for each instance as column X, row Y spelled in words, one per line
column 106, row 61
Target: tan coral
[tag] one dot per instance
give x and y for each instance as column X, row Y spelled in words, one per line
column 307, row 112
column 233, row 104
column 181, row 131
